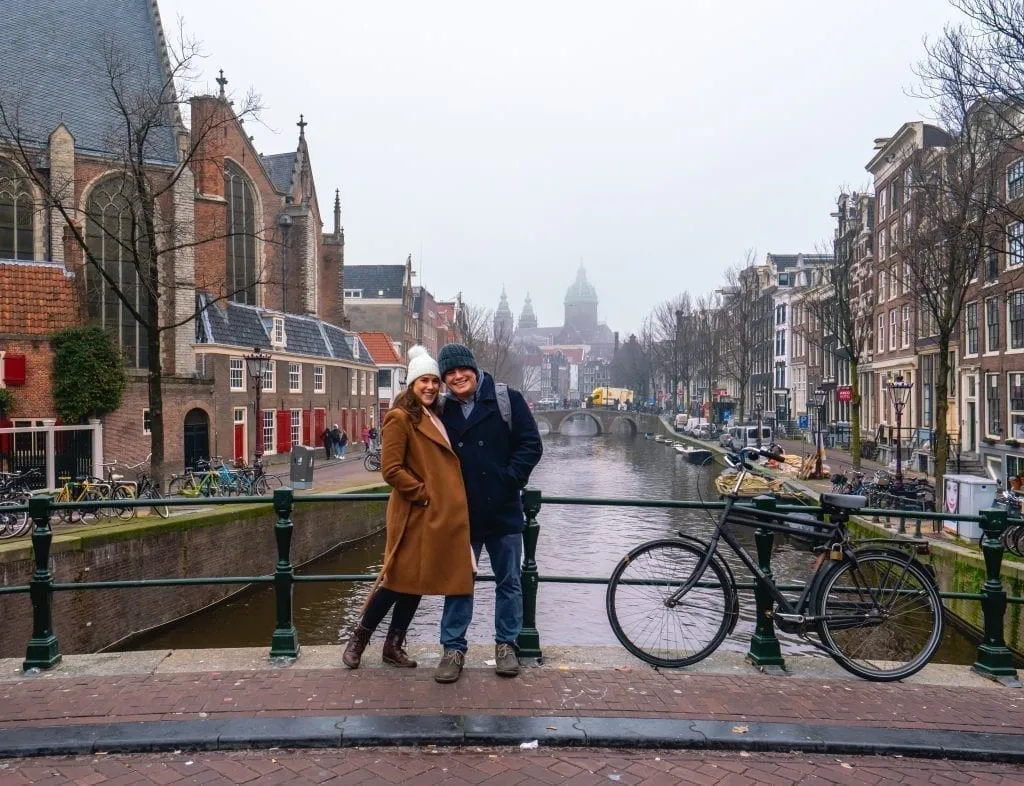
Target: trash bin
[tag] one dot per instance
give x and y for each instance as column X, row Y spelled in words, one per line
column 967, row 494
column 301, row 474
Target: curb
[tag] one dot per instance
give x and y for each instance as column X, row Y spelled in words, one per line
column 553, row 731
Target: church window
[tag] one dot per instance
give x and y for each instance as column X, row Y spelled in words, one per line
column 116, row 250
column 241, row 236
column 16, row 214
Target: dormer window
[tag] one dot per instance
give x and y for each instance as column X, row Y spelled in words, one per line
column 355, row 348
column 277, row 336
column 354, row 293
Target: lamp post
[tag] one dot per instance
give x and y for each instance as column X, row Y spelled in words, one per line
column 257, row 364
column 899, row 394
column 820, row 395
column 759, row 411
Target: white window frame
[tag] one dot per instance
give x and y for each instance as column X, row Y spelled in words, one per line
column 883, row 286
column 318, row 379
column 269, row 430
column 1019, row 179
column 362, row 383
column 989, row 349
column 1014, row 430
column 145, row 417
column 294, row 377
column 1015, row 244
column 278, row 337
column 238, row 416
column 893, row 329
column 270, row 377
column 296, row 424
column 905, row 333
column 989, row 378
column 370, row 376
column 968, row 352
column 356, row 294
column 881, row 333
column 354, row 384
column 236, row 374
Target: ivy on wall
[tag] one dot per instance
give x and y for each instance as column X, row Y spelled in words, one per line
column 6, row 402
column 89, row 377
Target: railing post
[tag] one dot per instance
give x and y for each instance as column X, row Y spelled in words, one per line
column 995, row 660
column 528, row 642
column 764, row 650
column 43, row 652
column 285, row 642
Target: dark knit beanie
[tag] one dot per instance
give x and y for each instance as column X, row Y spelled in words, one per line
column 454, row 356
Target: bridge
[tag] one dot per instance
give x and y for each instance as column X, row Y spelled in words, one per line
column 606, row 419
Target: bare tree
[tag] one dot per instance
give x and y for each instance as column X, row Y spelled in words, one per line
column 147, row 233
column 666, row 326
column 737, row 323
column 706, row 342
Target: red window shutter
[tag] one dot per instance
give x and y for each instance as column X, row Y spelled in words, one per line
column 307, row 416
column 14, row 369
column 284, row 430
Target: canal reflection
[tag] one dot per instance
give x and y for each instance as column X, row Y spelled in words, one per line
column 574, row 540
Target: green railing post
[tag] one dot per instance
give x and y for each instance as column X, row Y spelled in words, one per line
column 43, row 652
column 528, row 642
column 764, row 646
column 995, row 660
column 285, row 642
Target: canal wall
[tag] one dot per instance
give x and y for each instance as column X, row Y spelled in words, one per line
column 230, row 541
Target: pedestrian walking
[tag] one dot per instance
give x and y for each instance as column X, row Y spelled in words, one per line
column 366, row 438
column 339, row 450
column 342, row 443
column 328, row 441
column 427, row 550
column 498, row 445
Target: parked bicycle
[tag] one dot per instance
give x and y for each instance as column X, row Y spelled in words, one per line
column 372, row 460
column 15, row 490
column 873, row 607
column 82, row 489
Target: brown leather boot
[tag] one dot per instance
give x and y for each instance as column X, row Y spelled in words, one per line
column 354, row 649
column 394, row 653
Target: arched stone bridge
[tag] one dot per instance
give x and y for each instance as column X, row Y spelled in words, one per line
column 606, row 419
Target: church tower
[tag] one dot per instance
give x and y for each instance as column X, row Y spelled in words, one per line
column 527, row 319
column 581, row 304
column 503, row 321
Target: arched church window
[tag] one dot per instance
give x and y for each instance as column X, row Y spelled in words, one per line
column 111, row 234
column 241, row 236
column 16, row 215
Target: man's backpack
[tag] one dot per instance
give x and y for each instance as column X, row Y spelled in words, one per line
column 504, row 403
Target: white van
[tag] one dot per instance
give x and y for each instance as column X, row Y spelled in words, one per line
column 749, row 433
column 680, row 422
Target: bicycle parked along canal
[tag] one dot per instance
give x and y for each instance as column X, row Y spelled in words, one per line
column 874, row 608
column 15, row 489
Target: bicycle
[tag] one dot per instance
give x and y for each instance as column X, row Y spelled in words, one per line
column 15, row 490
column 201, row 482
column 372, row 460
column 81, row 489
column 874, row 608
column 143, row 488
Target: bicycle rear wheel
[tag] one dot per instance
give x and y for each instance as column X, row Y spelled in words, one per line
column 150, row 493
column 881, row 617
column 638, row 604
column 13, row 524
column 124, row 493
column 372, row 462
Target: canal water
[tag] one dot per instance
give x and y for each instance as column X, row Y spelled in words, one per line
column 574, row 541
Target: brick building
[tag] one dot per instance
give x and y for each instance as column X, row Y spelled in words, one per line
column 379, row 298
column 390, row 369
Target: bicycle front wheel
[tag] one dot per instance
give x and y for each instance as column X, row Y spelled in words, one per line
column 124, row 493
column 13, row 524
column 881, row 616
column 163, row 511
column 649, row 624
column 372, row 462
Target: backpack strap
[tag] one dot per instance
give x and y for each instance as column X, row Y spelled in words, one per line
column 504, row 403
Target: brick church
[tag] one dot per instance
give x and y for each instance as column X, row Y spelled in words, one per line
column 248, row 263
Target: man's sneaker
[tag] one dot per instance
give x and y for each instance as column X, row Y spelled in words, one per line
column 450, row 667
column 506, row 661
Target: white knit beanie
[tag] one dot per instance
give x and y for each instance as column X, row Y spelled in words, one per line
column 420, row 364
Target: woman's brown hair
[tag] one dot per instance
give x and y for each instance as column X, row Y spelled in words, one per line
column 410, row 404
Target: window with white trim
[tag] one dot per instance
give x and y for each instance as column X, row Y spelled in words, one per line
column 269, row 375
column 147, row 422
column 318, row 379
column 294, row 378
column 1015, row 179
column 354, row 293
column 239, row 415
column 1015, row 317
column 905, row 335
column 971, row 328
column 269, row 421
column 883, row 285
column 362, row 383
column 369, row 382
column 881, row 332
column 296, row 426
column 1015, row 382
column 992, row 406
column 353, row 384
column 893, row 330
column 278, row 336
column 1015, row 244
column 236, row 374
column 992, row 324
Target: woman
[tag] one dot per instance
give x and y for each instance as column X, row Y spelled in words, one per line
column 366, row 429
column 427, row 551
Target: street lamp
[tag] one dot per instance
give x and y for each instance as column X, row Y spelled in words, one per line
column 820, row 396
column 759, row 410
column 899, row 394
column 257, row 365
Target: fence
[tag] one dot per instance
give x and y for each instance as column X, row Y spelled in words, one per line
column 52, row 450
column 994, row 659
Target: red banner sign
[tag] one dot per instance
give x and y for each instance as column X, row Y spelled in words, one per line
column 845, row 393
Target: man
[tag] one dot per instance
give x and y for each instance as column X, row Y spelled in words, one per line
column 336, row 445
column 328, row 440
column 496, row 439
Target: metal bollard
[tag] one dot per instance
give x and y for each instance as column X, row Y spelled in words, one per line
column 43, row 651
column 764, row 645
column 995, row 660
column 528, row 642
column 285, row 642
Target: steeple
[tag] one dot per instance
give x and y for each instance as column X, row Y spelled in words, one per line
column 503, row 320
column 527, row 319
column 337, row 212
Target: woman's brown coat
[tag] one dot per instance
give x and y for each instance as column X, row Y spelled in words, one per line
column 427, row 551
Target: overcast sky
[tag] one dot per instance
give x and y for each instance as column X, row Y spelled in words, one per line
column 503, row 143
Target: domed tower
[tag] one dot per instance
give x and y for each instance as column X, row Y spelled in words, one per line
column 503, row 320
column 581, row 304
column 527, row 320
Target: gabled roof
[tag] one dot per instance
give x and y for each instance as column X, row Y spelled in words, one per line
column 376, row 281
column 381, row 348
column 36, row 298
column 280, row 168
column 246, row 327
column 53, row 70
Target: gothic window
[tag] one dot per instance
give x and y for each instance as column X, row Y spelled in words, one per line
column 111, row 237
column 241, row 236
column 16, row 241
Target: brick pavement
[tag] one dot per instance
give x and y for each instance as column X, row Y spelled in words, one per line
column 415, row 766
column 543, row 691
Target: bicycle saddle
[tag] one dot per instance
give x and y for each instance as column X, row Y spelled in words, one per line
column 844, row 501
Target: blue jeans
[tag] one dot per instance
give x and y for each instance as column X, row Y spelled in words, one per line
column 506, row 555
